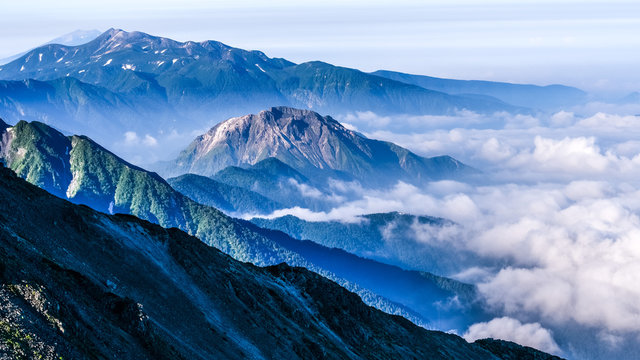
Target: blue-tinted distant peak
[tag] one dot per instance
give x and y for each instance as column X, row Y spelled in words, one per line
column 125, row 37
column 75, row 38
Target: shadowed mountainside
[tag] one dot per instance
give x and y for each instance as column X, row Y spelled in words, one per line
column 70, row 275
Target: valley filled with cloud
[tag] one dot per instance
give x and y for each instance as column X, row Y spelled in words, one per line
column 547, row 231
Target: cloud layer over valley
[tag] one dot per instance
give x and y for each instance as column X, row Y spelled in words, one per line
column 550, row 231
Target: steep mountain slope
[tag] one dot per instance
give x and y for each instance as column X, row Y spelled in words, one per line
column 419, row 291
column 551, row 97
column 77, row 168
column 404, row 240
column 79, row 284
column 228, row 198
column 88, row 174
column 311, row 144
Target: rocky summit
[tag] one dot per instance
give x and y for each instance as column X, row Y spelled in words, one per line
column 315, row 145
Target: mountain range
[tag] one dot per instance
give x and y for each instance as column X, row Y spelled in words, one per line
column 183, row 73
column 76, row 283
column 131, row 82
column 80, row 170
column 313, row 145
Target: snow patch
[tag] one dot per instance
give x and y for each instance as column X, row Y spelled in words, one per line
column 159, row 63
column 40, row 57
column 108, row 62
column 128, row 67
column 261, row 69
column 163, row 51
column 22, row 68
column 174, row 61
column 60, row 59
column 81, row 71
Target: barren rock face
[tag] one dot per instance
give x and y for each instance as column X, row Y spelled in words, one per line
column 312, row 144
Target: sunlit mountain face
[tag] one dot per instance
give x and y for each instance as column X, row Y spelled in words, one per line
column 190, row 199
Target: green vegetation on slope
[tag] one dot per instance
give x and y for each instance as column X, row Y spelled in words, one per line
column 94, row 176
column 231, row 199
column 393, row 238
column 38, row 154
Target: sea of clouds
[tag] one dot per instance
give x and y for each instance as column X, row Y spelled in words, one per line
column 552, row 223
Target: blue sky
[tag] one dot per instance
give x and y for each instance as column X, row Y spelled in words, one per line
column 590, row 44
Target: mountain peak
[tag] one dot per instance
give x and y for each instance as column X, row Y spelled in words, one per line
column 276, row 128
column 290, row 111
column 109, row 34
column 317, row 146
column 122, row 37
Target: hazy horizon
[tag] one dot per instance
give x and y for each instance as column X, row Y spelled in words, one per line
column 590, row 45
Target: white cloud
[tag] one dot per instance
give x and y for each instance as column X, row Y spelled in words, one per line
column 149, row 140
column 568, row 258
column 568, row 146
column 562, row 119
column 509, row 329
column 131, row 138
column 402, row 197
column 306, row 190
column 568, row 155
column 493, row 150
